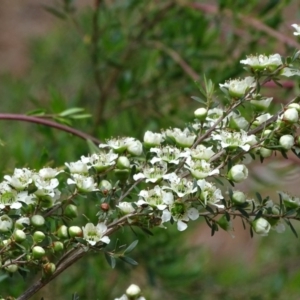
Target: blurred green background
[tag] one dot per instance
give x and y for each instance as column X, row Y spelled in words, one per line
column 132, row 65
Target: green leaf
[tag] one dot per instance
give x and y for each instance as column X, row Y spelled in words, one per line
column 129, row 260
column 63, row 121
column 82, row 116
column 36, row 112
column 292, row 227
column 110, row 259
column 243, row 212
column 199, row 100
column 71, row 111
column 258, row 196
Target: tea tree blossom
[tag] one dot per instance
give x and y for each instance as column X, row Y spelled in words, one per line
column 297, row 28
column 156, row 198
column 200, row 168
column 180, row 186
column 182, row 138
column 21, row 179
column 209, row 194
column 168, row 154
column 233, row 140
column 181, row 212
column 238, row 173
column 199, row 153
column 100, row 161
column 152, row 139
column 83, row 183
column 261, row 226
column 94, row 234
column 238, row 87
column 152, row 173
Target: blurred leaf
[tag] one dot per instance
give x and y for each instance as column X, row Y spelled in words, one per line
column 128, row 260
column 71, row 111
column 131, row 246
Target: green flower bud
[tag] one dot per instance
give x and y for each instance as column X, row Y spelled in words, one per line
column 123, row 162
column 12, row 268
column 23, row 220
column 6, row 223
column 238, row 198
column 49, row 269
column 291, row 115
column 200, row 113
column 38, row 252
column 71, row 211
column 286, row 141
column 264, row 152
column 75, row 231
column 238, row 173
column 224, row 223
column 261, row 226
column 19, row 236
column 38, row 236
column 62, row 232
column 105, row 186
column 58, row 246
column 37, row 221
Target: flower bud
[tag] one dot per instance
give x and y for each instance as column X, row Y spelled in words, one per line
column 12, row 268
column 294, row 105
column 121, row 175
column 19, row 236
column 38, row 237
column 261, row 226
column 105, row 186
column 104, row 207
column 238, row 197
column 62, row 232
column 125, row 207
column 286, row 141
column 6, row 223
column 19, row 224
column 37, row 221
column 123, row 162
column 238, row 173
column 200, row 113
column 264, row 152
column 290, row 115
column 75, row 231
column 133, row 291
column 38, row 252
column 135, row 148
column 49, row 269
column 58, row 246
column 71, row 211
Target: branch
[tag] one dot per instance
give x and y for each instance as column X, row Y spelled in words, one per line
column 24, row 118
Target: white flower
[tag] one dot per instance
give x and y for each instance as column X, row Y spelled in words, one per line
column 168, row 154
column 183, row 138
column 238, row 173
column 297, row 27
column 210, row 194
column 6, row 223
column 78, row 167
column 118, row 145
column 153, row 173
column 156, row 198
column 289, row 72
column 237, row 121
column 262, row 62
column 235, row 139
column 261, row 226
column 181, row 186
column 48, row 173
column 11, row 199
column 261, row 105
column 200, row 168
column 83, row 183
column 200, row 152
column 181, row 212
column 125, row 207
column 290, row 115
column 100, row 161
column 286, row 141
column 21, row 179
column 152, row 139
column 94, row 234
column 238, row 87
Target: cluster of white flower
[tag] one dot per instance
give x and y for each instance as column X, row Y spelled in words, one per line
column 173, row 176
